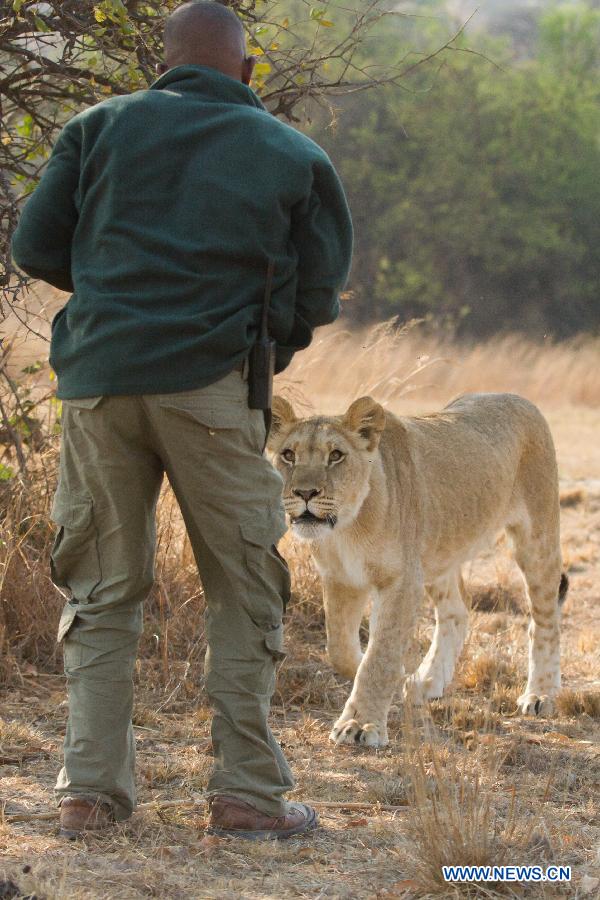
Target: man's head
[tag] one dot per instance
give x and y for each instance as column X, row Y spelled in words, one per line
column 206, row 33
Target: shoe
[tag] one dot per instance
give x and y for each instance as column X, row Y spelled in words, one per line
column 80, row 814
column 230, row 816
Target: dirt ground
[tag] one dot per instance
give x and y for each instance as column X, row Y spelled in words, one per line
column 467, row 781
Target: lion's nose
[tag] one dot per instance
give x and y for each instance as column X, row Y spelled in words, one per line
column 307, row 495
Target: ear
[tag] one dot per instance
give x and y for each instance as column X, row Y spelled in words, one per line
column 366, row 417
column 282, row 418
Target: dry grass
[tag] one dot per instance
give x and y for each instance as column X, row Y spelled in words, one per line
column 467, row 781
column 394, row 364
column 463, row 821
column 578, row 703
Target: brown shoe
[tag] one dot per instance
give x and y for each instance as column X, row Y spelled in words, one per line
column 79, row 814
column 235, row 818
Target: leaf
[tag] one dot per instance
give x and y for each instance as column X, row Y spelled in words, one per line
column 256, row 51
column 326, row 23
column 356, row 823
column 41, row 25
column 262, row 69
column 316, row 13
column 17, row 4
column 99, row 14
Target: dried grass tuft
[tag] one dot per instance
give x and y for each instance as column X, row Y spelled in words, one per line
column 464, row 822
column 483, row 671
column 577, row 703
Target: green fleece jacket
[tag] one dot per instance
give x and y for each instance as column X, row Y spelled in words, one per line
column 159, row 211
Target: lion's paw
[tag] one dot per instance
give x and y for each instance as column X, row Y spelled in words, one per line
column 534, row 705
column 418, row 691
column 351, row 731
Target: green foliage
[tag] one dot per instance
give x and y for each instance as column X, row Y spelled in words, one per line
column 570, row 41
column 477, row 200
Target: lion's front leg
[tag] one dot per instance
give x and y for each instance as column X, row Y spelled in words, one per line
column 451, row 620
column 344, row 608
column 364, row 718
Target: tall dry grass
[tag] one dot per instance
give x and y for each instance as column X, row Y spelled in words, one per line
column 400, row 367
column 460, row 818
column 476, row 787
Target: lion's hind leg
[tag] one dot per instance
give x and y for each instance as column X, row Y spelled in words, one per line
column 539, row 558
column 451, row 620
column 534, row 526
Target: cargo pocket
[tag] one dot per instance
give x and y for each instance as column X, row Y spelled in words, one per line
column 268, row 570
column 225, row 422
column 74, row 560
column 274, row 642
column 66, row 620
column 212, row 417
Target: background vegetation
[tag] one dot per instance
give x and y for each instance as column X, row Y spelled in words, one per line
column 476, row 197
column 471, row 170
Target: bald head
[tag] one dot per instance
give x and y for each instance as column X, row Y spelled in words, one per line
column 206, row 33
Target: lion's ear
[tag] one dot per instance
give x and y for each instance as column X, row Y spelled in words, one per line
column 282, row 417
column 367, row 418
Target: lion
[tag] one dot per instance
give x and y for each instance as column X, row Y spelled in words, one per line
column 392, row 507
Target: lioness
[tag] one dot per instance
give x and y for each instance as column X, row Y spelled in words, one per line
column 392, row 507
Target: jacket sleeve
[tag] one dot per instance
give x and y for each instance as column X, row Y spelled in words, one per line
column 322, row 235
column 41, row 244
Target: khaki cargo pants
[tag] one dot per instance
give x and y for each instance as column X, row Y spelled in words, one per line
column 115, row 451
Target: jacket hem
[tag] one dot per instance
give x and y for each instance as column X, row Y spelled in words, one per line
column 137, row 389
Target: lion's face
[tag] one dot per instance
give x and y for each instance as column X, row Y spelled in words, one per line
column 325, row 463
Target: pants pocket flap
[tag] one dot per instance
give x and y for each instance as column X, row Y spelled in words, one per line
column 66, row 620
column 265, row 528
column 207, row 413
column 71, row 511
column 84, row 402
column 274, row 642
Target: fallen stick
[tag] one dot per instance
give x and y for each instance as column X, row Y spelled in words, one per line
column 190, row 804
column 28, row 817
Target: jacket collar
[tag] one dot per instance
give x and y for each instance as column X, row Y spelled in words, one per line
column 208, row 82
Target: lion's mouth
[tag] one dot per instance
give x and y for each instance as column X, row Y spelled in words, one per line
column 308, row 518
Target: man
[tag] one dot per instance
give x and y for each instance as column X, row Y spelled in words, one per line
column 160, row 211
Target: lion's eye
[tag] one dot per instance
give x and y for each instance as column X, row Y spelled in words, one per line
column 335, row 456
column 288, row 455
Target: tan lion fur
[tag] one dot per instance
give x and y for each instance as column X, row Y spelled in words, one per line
column 393, row 507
